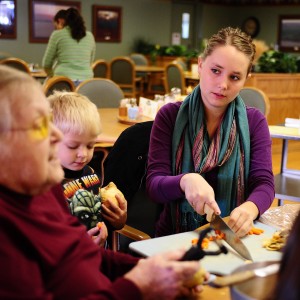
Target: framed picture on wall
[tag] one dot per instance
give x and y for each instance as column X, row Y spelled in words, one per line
column 41, row 14
column 288, row 33
column 8, row 19
column 107, row 22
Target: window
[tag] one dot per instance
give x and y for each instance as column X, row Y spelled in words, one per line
column 185, row 26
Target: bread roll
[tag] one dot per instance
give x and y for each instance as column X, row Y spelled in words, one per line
column 109, row 193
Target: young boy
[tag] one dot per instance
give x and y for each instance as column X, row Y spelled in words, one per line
column 78, row 119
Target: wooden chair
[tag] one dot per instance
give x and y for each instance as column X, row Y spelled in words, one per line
column 16, row 63
column 255, row 97
column 103, row 92
column 174, row 77
column 139, row 59
column 97, row 162
column 126, row 166
column 122, row 72
column 181, row 62
column 58, row 83
column 100, row 68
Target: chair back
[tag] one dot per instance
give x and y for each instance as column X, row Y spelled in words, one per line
column 97, row 162
column 174, row 77
column 139, row 59
column 126, row 166
column 255, row 97
column 122, row 72
column 100, row 68
column 103, row 92
column 181, row 62
column 16, row 63
column 58, row 83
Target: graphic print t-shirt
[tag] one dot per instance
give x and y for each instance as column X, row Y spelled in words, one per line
column 82, row 194
column 84, row 179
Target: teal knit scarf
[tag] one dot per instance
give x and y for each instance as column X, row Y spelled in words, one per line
column 193, row 151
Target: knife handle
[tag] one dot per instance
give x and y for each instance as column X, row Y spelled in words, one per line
column 209, row 212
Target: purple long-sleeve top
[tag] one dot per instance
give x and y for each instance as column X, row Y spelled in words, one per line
column 164, row 187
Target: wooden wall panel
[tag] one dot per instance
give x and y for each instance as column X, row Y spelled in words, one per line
column 283, row 91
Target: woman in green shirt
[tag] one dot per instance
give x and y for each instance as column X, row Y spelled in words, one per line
column 71, row 50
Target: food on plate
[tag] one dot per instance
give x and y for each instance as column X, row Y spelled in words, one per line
column 277, row 241
column 197, row 279
column 219, row 235
column 109, row 192
column 205, row 242
column 255, row 230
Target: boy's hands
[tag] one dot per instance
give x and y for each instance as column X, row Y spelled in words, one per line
column 99, row 236
column 115, row 215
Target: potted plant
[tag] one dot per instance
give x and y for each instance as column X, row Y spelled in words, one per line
column 273, row 61
column 163, row 54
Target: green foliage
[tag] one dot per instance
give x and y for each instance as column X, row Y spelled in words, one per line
column 175, row 50
column 192, row 53
column 277, row 62
column 144, row 47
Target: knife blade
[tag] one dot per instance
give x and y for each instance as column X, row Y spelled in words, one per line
column 231, row 238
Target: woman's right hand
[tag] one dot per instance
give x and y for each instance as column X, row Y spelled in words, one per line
column 199, row 193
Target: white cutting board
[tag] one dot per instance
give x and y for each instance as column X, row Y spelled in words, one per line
column 220, row 264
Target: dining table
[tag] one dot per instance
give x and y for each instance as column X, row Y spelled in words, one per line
column 149, row 69
column 222, row 264
column 113, row 125
column 287, row 181
column 38, row 73
column 189, row 75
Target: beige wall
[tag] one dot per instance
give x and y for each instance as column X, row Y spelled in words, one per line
column 141, row 18
column 152, row 20
column 214, row 16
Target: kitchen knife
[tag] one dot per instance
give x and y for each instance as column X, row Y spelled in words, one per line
column 217, row 223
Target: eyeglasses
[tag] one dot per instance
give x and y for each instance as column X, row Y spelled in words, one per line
column 40, row 129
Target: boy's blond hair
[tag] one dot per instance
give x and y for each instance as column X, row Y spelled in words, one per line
column 75, row 113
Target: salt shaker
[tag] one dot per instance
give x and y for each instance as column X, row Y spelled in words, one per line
column 133, row 112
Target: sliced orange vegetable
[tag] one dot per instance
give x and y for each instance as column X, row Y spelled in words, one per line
column 205, row 242
column 99, row 225
column 255, row 230
column 194, row 241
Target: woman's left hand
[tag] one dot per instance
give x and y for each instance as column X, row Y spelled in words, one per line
column 241, row 218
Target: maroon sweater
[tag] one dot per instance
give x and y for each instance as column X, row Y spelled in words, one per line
column 45, row 253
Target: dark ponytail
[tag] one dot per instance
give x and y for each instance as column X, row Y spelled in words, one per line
column 76, row 23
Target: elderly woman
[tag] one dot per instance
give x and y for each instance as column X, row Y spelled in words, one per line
column 45, row 251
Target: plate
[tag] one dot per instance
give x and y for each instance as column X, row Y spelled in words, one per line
column 126, row 120
column 222, row 264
